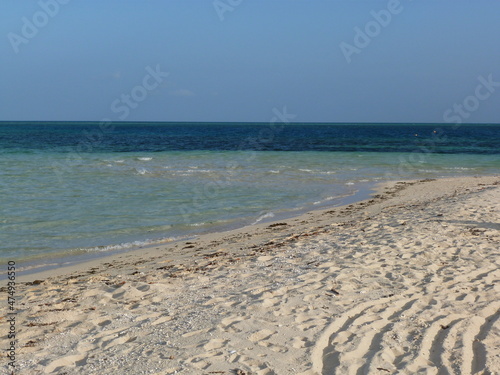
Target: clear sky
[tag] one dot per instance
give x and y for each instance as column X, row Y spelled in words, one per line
column 236, row 60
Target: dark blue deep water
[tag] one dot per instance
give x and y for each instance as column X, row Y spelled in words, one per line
column 158, row 137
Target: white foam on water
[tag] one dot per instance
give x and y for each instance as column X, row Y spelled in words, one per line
column 197, row 224
column 200, row 171
column 142, row 171
column 327, row 199
column 144, row 159
column 262, row 217
column 122, row 246
column 129, row 245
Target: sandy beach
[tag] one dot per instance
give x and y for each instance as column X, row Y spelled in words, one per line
column 407, row 282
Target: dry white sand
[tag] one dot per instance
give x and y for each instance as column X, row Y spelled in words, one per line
column 405, row 283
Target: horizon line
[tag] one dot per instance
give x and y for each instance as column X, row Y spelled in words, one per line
column 248, row 122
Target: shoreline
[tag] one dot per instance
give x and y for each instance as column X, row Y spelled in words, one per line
column 157, row 250
column 35, row 269
column 404, row 282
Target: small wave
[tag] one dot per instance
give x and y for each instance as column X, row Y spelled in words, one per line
column 349, row 183
column 144, row 159
column 262, row 217
column 330, row 198
column 200, row 171
column 107, row 161
column 121, row 246
column 142, row 171
column 197, row 224
column 272, row 171
column 325, row 200
column 316, row 171
column 129, row 245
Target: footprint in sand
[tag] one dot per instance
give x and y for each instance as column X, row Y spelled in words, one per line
column 104, row 323
column 261, row 335
column 65, row 362
column 228, row 324
column 301, row 342
column 215, row 344
column 199, row 363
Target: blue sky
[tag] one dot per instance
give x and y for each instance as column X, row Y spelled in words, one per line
column 236, row 60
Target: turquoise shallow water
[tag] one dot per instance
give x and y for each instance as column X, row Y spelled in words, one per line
column 56, row 201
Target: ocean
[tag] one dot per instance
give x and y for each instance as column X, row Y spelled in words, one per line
column 93, row 188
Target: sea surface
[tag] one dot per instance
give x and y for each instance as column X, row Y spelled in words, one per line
column 90, row 188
